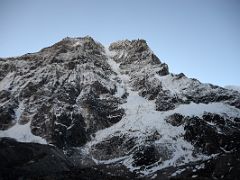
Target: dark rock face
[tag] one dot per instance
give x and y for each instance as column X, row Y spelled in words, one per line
column 165, row 102
column 175, row 119
column 225, row 166
column 216, row 94
column 22, row 160
column 4, row 95
column 6, row 117
column 146, row 89
column 164, row 70
column 36, row 161
column 213, row 134
column 214, row 118
column 30, row 159
column 145, row 156
column 113, row 147
column 72, row 134
column 118, row 147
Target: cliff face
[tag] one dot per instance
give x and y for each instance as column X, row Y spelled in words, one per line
column 119, row 106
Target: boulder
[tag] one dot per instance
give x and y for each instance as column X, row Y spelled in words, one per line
column 175, row 119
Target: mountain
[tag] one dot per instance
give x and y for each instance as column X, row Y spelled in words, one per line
column 94, row 112
column 235, row 88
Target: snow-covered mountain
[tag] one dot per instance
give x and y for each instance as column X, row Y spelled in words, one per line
column 116, row 107
column 235, row 88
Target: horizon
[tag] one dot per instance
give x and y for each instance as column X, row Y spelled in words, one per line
column 200, row 39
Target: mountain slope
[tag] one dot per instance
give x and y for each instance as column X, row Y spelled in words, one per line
column 119, row 106
column 235, row 88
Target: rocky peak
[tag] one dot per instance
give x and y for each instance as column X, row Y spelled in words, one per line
column 137, row 45
column 56, row 92
column 134, row 47
column 71, row 44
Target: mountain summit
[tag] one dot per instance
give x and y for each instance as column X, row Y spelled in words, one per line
column 96, row 112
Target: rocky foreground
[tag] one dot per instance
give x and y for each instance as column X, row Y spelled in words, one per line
column 79, row 110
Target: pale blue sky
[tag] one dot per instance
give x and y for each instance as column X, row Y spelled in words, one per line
column 198, row 37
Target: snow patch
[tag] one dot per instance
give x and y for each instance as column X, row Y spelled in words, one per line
column 21, row 133
column 194, row 109
column 115, row 67
column 6, row 81
column 18, row 111
column 78, row 43
column 175, row 85
column 178, row 172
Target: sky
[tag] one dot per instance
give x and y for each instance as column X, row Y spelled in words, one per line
column 200, row 38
